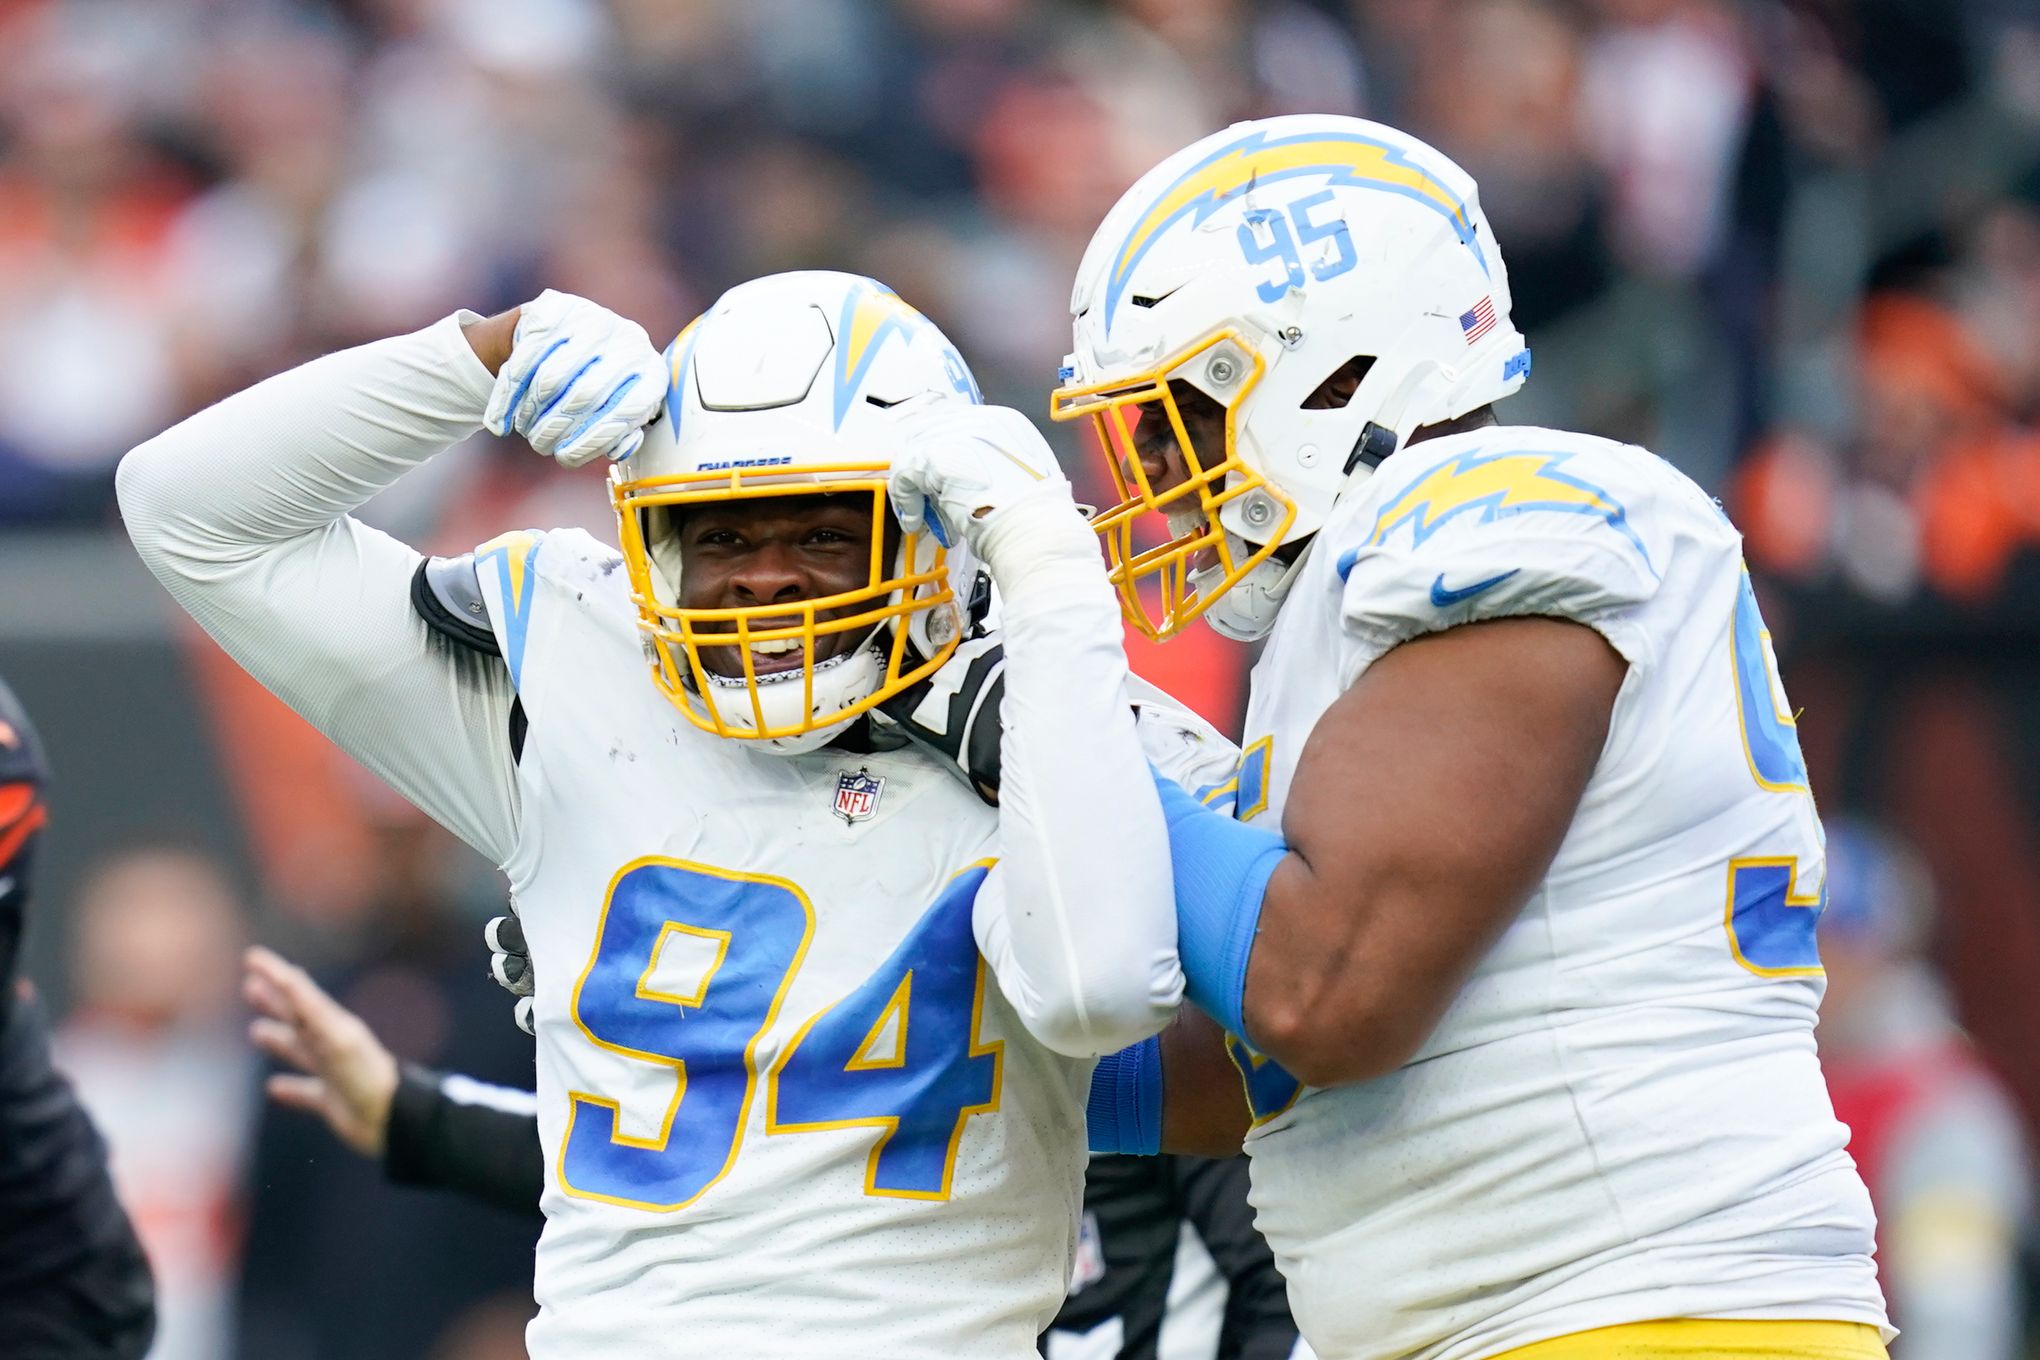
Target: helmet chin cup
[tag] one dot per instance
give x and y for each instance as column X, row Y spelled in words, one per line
column 839, row 683
column 1247, row 611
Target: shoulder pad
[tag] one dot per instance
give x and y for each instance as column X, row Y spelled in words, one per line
column 1510, row 523
column 447, row 593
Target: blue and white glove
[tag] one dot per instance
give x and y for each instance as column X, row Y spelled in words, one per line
column 581, row 382
column 961, row 467
column 984, row 476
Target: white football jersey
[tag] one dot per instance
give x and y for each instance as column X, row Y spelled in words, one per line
column 1621, row 1117
column 785, row 1109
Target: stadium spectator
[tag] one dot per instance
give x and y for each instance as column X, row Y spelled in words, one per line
column 151, row 1045
column 1932, row 1128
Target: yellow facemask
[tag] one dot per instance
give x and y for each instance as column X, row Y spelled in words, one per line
column 896, row 593
column 1156, row 592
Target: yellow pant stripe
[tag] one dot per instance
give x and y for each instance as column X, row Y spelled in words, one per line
column 1712, row 1339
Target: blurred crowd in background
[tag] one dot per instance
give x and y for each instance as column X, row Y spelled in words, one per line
column 1792, row 245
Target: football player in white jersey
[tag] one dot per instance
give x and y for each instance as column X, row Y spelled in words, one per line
column 786, row 1111
column 1524, row 991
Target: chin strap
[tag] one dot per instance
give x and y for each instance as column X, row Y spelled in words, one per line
column 1375, row 444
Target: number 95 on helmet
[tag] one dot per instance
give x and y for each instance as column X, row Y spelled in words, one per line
column 782, row 413
column 1259, row 321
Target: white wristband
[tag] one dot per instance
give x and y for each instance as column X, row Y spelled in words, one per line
column 1040, row 550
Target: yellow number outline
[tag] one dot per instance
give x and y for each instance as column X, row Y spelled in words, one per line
column 1773, row 687
column 659, row 1142
column 1256, row 1060
column 889, row 1124
column 1790, row 864
column 1265, row 748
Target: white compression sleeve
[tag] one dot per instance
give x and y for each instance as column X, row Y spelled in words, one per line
column 241, row 511
column 1078, row 920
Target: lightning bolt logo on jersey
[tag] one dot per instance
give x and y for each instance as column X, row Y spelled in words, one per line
column 1490, row 487
column 1621, row 1116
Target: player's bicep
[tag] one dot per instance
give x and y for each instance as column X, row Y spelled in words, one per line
column 1426, row 807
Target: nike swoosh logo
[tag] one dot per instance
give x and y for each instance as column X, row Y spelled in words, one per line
column 1444, row 598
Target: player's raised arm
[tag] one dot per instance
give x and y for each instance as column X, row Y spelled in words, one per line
column 242, row 511
column 1078, row 920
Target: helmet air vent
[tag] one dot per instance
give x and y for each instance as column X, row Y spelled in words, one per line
column 1337, row 390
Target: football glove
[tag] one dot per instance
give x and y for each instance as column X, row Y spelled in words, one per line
column 510, row 965
column 581, row 382
column 962, row 468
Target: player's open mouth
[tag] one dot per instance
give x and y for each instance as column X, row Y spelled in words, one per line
column 782, row 656
column 1191, row 521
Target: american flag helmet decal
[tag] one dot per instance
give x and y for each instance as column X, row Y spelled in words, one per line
column 1479, row 321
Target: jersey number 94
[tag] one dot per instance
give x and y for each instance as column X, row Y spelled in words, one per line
column 902, row 1054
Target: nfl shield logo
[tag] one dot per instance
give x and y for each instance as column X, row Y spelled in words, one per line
column 857, row 795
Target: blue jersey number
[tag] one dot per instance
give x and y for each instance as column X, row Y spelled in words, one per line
column 1270, row 1089
column 744, row 937
column 902, row 1054
column 1283, row 244
column 1771, row 922
column 754, row 931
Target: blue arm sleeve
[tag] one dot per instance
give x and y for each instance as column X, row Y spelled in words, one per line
column 1124, row 1113
column 1221, row 870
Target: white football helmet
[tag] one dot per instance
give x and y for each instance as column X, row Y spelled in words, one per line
column 1253, row 267
column 792, row 385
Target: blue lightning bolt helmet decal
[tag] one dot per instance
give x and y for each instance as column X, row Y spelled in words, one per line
column 678, row 355
column 872, row 314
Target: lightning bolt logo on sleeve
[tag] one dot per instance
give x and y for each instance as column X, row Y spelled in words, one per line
column 510, row 560
column 1495, row 486
column 1345, row 159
